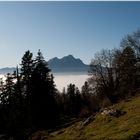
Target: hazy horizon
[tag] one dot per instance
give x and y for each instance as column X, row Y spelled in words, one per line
column 62, row 80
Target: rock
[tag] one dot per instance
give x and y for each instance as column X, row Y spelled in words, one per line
column 112, row 112
column 108, row 111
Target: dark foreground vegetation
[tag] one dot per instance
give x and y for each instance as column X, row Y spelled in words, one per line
column 29, row 101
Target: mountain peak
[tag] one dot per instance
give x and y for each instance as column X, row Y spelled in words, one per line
column 67, row 64
column 68, row 57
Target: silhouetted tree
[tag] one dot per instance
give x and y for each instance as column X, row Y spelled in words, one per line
column 132, row 41
column 62, row 102
column 89, row 99
column 102, row 73
column 24, row 82
column 126, row 68
column 10, row 106
column 74, row 100
column 43, row 104
column 114, row 73
column 86, row 91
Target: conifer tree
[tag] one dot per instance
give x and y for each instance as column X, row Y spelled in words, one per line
column 44, row 108
column 126, row 68
column 24, row 83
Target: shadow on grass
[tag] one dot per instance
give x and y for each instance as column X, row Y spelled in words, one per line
column 65, row 124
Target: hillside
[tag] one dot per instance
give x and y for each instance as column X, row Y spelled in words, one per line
column 126, row 126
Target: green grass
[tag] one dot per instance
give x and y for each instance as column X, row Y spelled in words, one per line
column 125, row 127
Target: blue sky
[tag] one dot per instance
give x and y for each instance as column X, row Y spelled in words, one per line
column 62, row 28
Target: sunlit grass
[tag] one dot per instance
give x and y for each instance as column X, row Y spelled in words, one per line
column 126, row 126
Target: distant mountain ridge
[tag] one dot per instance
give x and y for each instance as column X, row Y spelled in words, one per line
column 7, row 70
column 66, row 64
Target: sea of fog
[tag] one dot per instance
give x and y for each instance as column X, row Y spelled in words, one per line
column 64, row 79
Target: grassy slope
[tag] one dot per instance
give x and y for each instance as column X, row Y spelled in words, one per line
column 126, row 126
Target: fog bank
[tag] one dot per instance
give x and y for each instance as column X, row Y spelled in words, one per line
column 63, row 80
